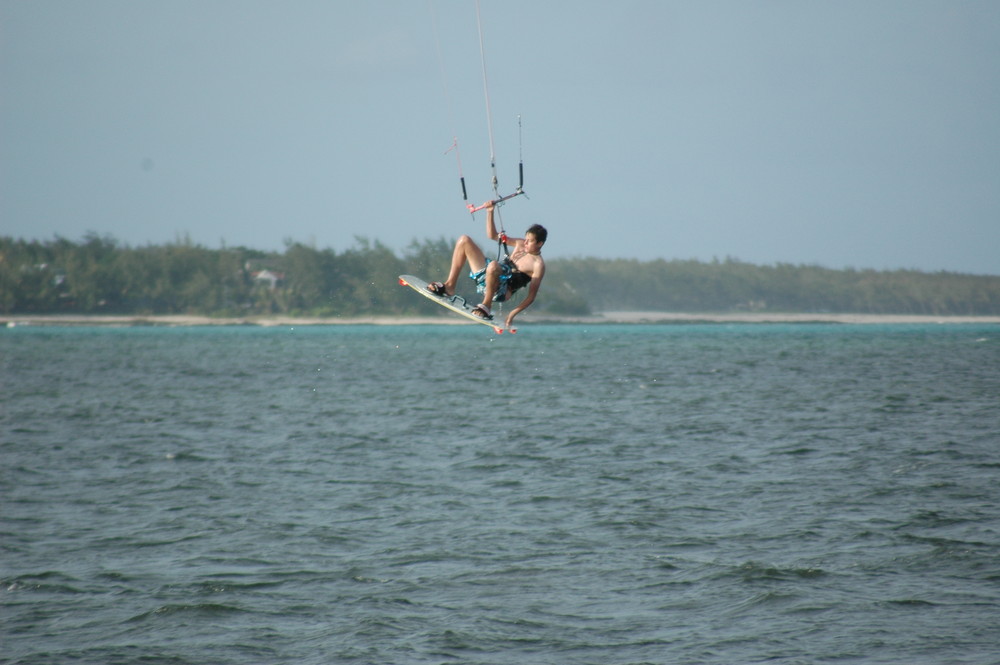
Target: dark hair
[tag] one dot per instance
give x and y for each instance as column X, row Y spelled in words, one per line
column 539, row 232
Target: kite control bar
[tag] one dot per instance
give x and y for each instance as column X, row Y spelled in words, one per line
column 517, row 192
column 473, row 208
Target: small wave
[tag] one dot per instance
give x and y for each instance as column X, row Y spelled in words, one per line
column 28, row 430
column 801, row 450
column 183, row 456
column 909, row 602
column 46, row 582
column 196, row 609
column 110, row 655
column 931, row 519
column 754, row 572
column 767, row 598
column 209, row 587
column 160, row 542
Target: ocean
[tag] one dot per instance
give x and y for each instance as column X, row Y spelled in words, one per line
column 598, row 494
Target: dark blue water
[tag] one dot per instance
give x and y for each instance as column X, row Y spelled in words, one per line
column 606, row 495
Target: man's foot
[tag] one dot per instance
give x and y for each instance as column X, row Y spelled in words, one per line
column 483, row 312
column 438, row 289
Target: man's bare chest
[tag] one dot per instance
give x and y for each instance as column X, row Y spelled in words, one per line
column 523, row 261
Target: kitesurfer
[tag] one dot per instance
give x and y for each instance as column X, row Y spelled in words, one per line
column 498, row 280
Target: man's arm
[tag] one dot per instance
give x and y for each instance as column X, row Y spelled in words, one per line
column 536, row 281
column 491, row 227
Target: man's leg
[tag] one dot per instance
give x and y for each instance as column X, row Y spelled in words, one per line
column 466, row 251
column 492, row 283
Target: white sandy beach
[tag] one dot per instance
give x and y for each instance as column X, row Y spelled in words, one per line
column 178, row 320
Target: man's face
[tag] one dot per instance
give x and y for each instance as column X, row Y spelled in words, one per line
column 531, row 244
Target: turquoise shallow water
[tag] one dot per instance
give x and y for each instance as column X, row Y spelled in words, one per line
column 414, row 494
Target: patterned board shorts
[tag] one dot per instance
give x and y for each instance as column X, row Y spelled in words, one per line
column 506, row 270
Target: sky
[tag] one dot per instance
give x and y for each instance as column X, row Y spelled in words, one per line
column 849, row 134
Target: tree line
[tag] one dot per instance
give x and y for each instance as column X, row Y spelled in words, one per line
column 99, row 275
column 732, row 285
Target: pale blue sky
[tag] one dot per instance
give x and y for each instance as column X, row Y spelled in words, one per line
column 855, row 133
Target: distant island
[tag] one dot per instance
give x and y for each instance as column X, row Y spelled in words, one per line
column 99, row 276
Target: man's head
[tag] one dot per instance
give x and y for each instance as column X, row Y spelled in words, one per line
column 539, row 232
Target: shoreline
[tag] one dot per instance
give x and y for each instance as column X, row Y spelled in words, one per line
column 639, row 318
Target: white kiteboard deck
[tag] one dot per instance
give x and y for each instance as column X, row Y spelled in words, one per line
column 455, row 303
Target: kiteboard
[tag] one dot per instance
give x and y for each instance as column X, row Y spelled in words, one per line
column 455, row 303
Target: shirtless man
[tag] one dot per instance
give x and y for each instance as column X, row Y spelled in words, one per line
column 498, row 280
